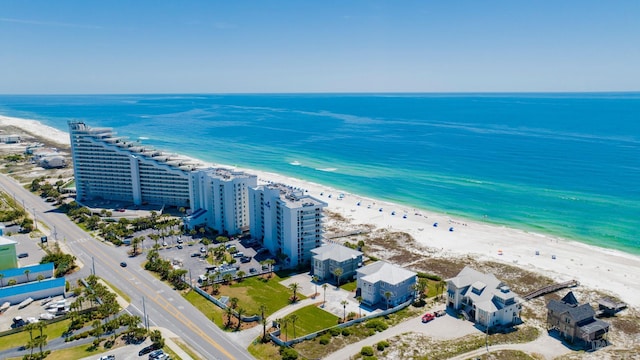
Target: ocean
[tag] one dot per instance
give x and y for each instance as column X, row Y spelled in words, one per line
column 559, row 164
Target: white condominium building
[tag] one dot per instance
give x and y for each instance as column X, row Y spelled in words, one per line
column 114, row 168
column 288, row 221
column 220, row 198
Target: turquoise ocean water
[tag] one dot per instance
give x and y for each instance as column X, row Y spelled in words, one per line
column 560, row 164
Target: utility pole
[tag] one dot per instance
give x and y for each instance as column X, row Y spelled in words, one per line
column 145, row 316
column 35, row 219
column 55, row 234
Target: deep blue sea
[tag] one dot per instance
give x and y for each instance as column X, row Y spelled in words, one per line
column 560, row 164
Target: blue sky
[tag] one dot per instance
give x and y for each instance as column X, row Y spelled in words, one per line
column 322, row 46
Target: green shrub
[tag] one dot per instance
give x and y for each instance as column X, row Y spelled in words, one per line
column 346, row 332
column 377, row 324
column 366, row 351
column 335, row 331
column 369, row 358
column 422, row 275
column 325, row 339
column 382, row 345
column 288, row 353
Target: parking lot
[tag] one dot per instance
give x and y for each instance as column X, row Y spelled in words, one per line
column 33, row 310
column 189, row 253
column 29, row 246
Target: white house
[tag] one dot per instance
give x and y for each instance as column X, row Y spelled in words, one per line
column 485, row 299
column 376, row 281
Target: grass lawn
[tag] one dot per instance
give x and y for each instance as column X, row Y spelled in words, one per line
column 117, row 291
column 209, row 309
column 350, row 286
column 186, row 349
column 267, row 351
column 254, row 291
column 77, row 352
column 310, row 319
column 432, row 288
column 52, row 331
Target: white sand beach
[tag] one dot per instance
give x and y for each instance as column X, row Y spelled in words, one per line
column 603, row 269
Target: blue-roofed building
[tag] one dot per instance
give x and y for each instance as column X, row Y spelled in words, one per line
column 28, row 285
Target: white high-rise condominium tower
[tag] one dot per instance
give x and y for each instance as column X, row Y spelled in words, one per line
column 288, row 222
column 221, row 199
column 114, row 168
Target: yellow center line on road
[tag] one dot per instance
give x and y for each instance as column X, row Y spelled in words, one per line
column 169, row 308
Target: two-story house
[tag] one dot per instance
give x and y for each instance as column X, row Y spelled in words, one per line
column 328, row 258
column 382, row 282
column 483, row 298
column 575, row 322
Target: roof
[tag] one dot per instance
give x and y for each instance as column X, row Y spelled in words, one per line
column 33, row 269
column 6, row 241
column 577, row 312
column 335, row 252
column 570, row 299
column 385, row 272
column 485, row 290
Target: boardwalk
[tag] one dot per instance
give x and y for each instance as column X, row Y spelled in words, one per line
column 550, row 288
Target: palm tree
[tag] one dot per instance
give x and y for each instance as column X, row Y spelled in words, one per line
column 294, row 288
column 285, row 323
column 359, row 298
column 293, row 318
column 42, row 339
column 344, row 310
column 40, row 277
column 241, row 275
column 227, row 278
column 1, row 280
column 234, row 302
column 98, row 330
column 229, row 312
column 270, row 263
column 26, row 273
column 420, row 287
column 263, row 319
column 387, row 295
column 324, row 287
column 315, row 280
column 239, row 313
column 30, row 327
column 338, row 273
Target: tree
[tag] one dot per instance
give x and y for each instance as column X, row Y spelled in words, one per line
column 42, row 339
column 293, row 318
column 234, row 302
column 227, row 278
column 270, row 263
column 285, row 323
column 344, row 309
column 420, row 287
column 229, row 312
column 359, row 298
column 263, row 320
column 324, row 287
column 98, row 329
column 12, row 282
column 239, row 312
column 156, row 338
column 315, row 280
column 26, row 273
column 30, row 327
column 241, row 274
column 1, row 280
column 387, row 295
column 40, row 277
column 338, row 273
column 294, row 287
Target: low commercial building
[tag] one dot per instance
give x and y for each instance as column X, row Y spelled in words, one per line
column 483, row 299
column 385, row 283
column 329, row 257
column 8, row 258
column 36, row 282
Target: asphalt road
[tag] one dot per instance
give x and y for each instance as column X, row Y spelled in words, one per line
column 165, row 307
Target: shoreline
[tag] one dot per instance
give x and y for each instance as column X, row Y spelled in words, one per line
column 596, row 267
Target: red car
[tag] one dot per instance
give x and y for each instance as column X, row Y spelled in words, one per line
column 427, row 317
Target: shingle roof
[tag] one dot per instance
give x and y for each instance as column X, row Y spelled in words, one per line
column 483, row 289
column 385, row 272
column 335, row 252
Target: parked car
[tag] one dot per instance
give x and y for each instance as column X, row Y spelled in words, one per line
column 245, row 259
column 180, row 241
column 123, row 264
column 150, row 349
column 253, row 270
column 427, row 317
column 440, row 313
column 203, row 249
column 179, row 246
column 156, row 354
column 23, row 255
column 239, row 254
column 195, row 255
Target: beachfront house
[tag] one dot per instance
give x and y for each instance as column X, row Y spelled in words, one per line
column 482, row 298
column 575, row 322
column 385, row 283
column 329, row 257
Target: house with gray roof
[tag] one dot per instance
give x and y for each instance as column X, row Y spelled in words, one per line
column 329, row 257
column 483, row 299
column 575, row 322
column 381, row 279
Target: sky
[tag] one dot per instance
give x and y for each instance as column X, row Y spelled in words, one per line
column 298, row 46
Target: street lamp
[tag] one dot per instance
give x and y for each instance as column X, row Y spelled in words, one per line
column 35, row 218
